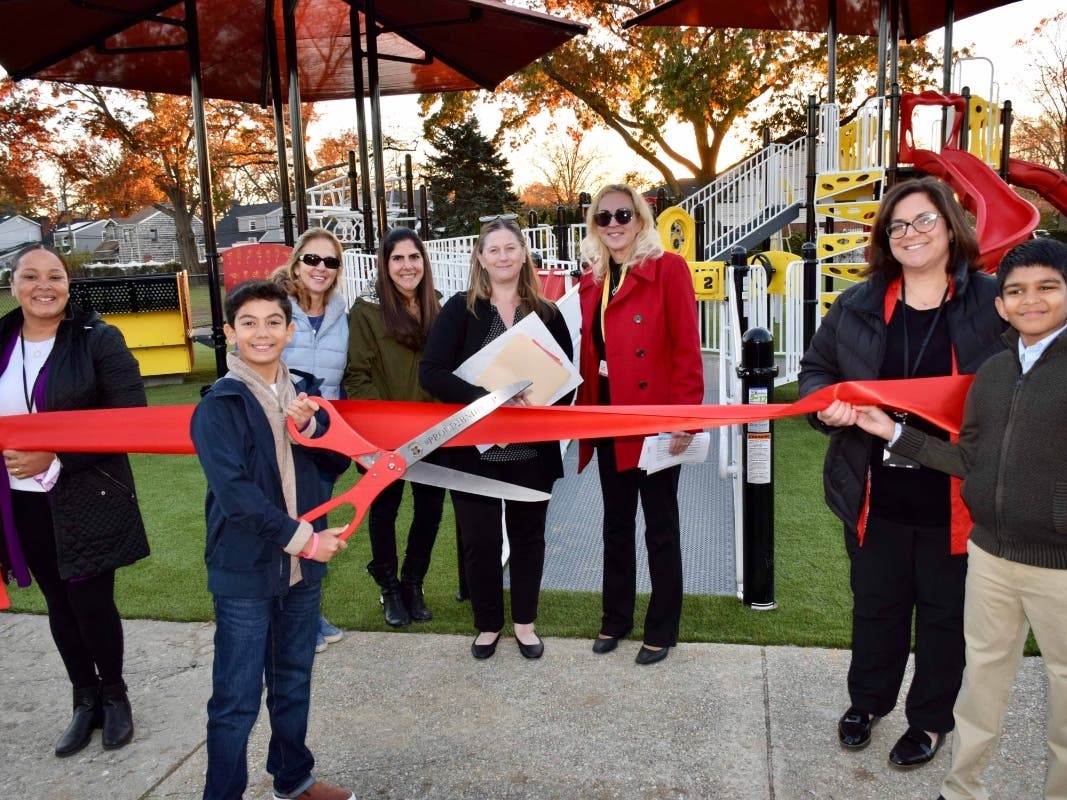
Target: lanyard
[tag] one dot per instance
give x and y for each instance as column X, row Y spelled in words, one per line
column 910, row 372
column 606, row 294
column 27, row 394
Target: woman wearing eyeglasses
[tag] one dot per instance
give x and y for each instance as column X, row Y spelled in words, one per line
column 640, row 345
column 923, row 312
column 317, row 353
column 386, row 338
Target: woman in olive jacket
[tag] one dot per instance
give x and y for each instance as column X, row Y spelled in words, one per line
column 385, row 341
column 71, row 518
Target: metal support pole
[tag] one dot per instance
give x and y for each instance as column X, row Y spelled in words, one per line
column 700, row 223
column 757, row 372
column 296, row 127
column 361, row 124
column 560, row 229
column 965, row 132
column 203, row 168
column 1005, row 140
column 409, row 185
column 811, row 291
column 424, row 212
column 739, row 261
column 813, row 140
column 276, row 102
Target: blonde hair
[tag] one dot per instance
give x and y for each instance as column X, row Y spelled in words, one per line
column 286, row 275
column 647, row 244
column 530, row 295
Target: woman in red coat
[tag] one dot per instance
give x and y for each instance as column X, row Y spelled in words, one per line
column 640, row 345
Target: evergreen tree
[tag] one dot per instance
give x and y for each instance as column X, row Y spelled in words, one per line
column 468, row 179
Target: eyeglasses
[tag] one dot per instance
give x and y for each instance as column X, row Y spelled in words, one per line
column 494, row 217
column 313, row 260
column 621, row 215
column 924, row 223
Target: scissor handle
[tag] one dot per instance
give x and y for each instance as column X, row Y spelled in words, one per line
column 360, row 496
column 339, row 436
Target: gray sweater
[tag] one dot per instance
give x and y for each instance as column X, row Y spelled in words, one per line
column 1012, row 456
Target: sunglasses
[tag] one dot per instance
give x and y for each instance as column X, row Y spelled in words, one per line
column 621, row 215
column 924, row 223
column 313, row 260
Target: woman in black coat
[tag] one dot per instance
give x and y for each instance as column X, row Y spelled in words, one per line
column 71, row 519
column 504, row 288
column 924, row 311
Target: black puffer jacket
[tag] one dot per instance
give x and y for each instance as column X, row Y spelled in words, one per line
column 91, row 367
column 850, row 346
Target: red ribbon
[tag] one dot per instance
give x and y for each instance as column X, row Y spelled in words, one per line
column 165, row 429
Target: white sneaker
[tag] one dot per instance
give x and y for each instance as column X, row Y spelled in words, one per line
column 320, row 643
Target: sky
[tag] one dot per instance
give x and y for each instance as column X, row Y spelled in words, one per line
column 993, row 35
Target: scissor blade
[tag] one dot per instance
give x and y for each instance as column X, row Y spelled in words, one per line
column 446, row 478
column 429, row 440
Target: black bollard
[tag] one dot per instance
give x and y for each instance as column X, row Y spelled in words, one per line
column 757, row 372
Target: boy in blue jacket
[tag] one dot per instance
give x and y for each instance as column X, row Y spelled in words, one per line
column 264, row 564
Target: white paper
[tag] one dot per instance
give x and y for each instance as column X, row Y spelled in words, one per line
column 655, row 453
column 534, row 329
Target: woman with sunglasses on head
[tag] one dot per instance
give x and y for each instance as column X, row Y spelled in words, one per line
column 317, row 353
column 386, row 338
column 924, row 311
column 640, row 345
column 503, row 289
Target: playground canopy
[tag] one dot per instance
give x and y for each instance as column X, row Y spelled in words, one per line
column 850, row 17
column 425, row 46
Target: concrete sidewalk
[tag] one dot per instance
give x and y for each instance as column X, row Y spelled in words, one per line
column 408, row 715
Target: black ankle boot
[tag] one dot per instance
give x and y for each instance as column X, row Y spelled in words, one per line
column 118, row 717
column 396, row 614
column 411, row 588
column 85, row 720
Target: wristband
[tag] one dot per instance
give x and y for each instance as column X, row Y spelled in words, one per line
column 314, row 546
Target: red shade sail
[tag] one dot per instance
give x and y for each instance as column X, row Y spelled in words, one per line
column 854, row 17
column 424, row 46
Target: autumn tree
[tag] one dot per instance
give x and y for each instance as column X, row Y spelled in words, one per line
column 25, row 142
column 648, row 85
column 569, row 168
column 468, row 177
column 1043, row 138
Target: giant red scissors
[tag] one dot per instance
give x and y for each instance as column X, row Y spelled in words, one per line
column 405, row 462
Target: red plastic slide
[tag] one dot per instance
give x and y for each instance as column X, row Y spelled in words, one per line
column 1003, row 218
column 1047, row 182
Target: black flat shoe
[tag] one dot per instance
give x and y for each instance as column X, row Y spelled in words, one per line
column 854, row 728
column 482, row 651
column 648, row 656
column 602, row 645
column 914, row 748
column 535, row 650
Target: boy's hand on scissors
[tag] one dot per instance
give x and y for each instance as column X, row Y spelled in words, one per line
column 302, row 409
column 330, row 544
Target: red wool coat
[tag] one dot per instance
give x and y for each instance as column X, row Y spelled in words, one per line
column 652, row 344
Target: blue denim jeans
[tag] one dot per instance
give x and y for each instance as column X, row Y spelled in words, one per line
column 261, row 640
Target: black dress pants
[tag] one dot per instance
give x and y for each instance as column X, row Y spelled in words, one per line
column 480, row 520
column 82, row 615
column 901, row 569
column 429, row 503
column 663, row 540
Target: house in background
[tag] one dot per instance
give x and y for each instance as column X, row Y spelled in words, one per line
column 16, row 231
column 151, row 235
column 259, row 223
column 96, row 239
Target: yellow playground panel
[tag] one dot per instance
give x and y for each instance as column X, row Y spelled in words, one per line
column 153, row 313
